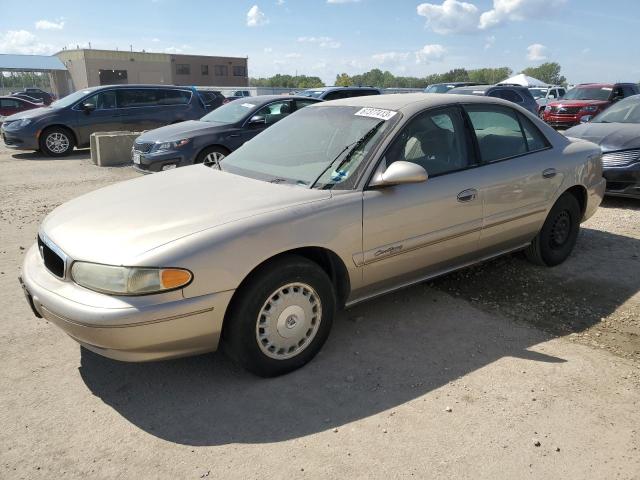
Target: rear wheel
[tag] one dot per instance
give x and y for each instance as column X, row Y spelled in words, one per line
column 281, row 317
column 558, row 235
column 212, row 155
column 57, row 142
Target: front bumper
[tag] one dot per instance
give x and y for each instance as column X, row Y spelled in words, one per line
column 562, row 121
column 623, row 181
column 153, row 162
column 132, row 329
column 20, row 139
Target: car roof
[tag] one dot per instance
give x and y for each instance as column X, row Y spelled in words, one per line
column 261, row 99
column 410, row 103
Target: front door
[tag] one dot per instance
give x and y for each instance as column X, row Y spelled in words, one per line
column 414, row 229
column 104, row 116
column 265, row 117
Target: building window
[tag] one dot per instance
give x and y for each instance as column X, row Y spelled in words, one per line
column 221, row 71
column 183, row 69
column 239, row 71
column 112, row 77
column 204, row 69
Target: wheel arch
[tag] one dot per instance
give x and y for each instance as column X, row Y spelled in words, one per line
column 218, row 145
column 580, row 194
column 59, row 125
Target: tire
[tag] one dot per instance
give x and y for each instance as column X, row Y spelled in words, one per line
column 57, row 142
column 211, row 155
column 558, row 235
column 302, row 299
column 541, row 114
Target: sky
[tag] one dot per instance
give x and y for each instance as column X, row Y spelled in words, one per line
column 592, row 40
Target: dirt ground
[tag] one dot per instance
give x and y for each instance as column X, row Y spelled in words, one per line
column 504, row 370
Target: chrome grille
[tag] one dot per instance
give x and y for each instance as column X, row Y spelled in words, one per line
column 565, row 110
column 142, row 147
column 621, row 158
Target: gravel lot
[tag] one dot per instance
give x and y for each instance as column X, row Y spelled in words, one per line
column 504, row 370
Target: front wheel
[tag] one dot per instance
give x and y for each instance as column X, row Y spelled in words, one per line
column 281, row 317
column 558, row 235
column 57, row 142
column 212, row 155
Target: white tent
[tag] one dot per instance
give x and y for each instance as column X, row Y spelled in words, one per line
column 525, row 81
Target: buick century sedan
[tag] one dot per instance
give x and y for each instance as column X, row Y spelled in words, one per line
column 337, row 203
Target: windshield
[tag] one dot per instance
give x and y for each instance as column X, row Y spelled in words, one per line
column 538, row 92
column 311, row 93
column 231, row 112
column 625, row 111
column 300, row 149
column 438, row 88
column 588, row 93
column 71, row 98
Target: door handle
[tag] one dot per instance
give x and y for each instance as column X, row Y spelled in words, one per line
column 549, row 173
column 467, row 195
column 233, row 135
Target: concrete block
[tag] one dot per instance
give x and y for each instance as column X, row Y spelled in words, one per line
column 112, row 148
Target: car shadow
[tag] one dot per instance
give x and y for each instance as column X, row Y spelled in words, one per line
column 78, row 154
column 381, row 354
column 624, row 203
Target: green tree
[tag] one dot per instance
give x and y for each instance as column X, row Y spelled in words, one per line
column 547, row 72
column 343, row 80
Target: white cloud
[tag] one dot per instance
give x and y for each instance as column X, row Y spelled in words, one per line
column 49, row 25
column 430, row 53
column 155, row 40
column 173, row 50
column 23, row 42
column 490, row 41
column 255, row 17
column 293, row 55
column 450, row 17
column 536, row 52
column 517, row 10
column 389, row 57
column 268, row 49
column 280, row 2
column 324, row 42
column 342, row 1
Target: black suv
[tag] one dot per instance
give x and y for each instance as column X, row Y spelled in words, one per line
column 514, row 93
column 34, row 93
column 70, row 121
column 334, row 93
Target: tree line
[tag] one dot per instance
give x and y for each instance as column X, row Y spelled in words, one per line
column 547, row 72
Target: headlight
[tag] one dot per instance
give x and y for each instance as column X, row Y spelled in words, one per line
column 172, row 145
column 23, row 122
column 128, row 280
column 590, row 108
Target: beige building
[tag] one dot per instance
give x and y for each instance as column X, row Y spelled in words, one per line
column 88, row 68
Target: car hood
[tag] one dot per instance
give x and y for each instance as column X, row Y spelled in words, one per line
column 116, row 224
column 178, row 131
column 34, row 112
column 577, row 103
column 610, row 136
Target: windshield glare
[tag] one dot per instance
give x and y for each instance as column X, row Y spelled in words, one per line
column 311, row 93
column 625, row 111
column 588, row 93
column 300, row 147
column 71, row 98
column 538, row 92
column 231, row 112
column 438, row 88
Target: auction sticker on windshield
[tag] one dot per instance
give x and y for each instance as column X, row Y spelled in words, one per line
column 375, row 113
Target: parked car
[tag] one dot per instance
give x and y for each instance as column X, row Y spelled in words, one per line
column 231, row 95
column 544, row 95
column 212, row 98
column 28, row 98
column 37, row 93
column 585, row 101
column 513, row 93
column 337, row 203
column 70, row 121
column 617, row 131
column 335, row 93
column 12, row 105
column 214, row 136
column 445, row 87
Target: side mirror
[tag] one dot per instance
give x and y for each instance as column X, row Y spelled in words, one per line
column 551, row 96
column 257, row 120
column 586, row 118
column 88, row 107
column 399, row 173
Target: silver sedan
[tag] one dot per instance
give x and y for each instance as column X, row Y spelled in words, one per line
column 339, row 202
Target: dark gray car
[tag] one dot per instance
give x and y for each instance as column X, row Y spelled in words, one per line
column 513, row 93
column 617, row 131
column 336, row 93
column 70, row 121
column 215, row 135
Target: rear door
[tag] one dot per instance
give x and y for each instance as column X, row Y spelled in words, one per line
column 518, row 177
column 411, row 230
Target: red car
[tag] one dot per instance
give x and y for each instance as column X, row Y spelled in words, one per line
column 586, row 100
column 11, row 105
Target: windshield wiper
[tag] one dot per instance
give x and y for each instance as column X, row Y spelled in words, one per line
column 352, row 147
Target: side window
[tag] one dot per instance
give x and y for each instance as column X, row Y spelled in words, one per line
column 628, row 90
column 435, row 140
column 9, row 103
column 304, row 103
column 275, row 112
column 511, row 96
column 561, row 92
column 535, row 139
column 335, row 95
column 173, row 97
column 498, row 132
column 103, row 100
column 134, row 97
